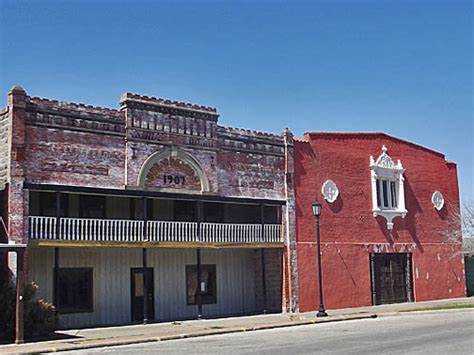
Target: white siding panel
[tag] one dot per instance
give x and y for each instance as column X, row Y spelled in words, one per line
column 111, row 281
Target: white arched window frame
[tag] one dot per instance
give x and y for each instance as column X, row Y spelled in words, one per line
column 388, row 191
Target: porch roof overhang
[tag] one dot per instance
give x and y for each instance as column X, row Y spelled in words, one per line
column 155, row 194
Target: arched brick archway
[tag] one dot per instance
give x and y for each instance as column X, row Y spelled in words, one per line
column 186, row 169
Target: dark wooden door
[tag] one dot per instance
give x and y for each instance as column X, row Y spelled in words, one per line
column 139, row 295
column 391, row 278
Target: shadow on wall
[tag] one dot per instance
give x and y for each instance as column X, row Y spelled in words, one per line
column 407, row 224
column 304, row 153
column 346, row 266
column 337, row 205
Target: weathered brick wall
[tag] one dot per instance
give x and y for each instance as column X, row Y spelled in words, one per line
column 350, row 232
column 17, row 198
column 273, row 279
column 76, row 144
column 237, row 162
column 4, row 123
column 64, row 157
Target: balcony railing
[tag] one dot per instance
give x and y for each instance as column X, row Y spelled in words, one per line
column 120, row 230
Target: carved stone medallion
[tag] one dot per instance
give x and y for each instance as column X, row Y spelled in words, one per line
column 438, row 200
column 330, row 191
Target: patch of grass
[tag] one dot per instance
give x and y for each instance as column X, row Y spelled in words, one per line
column 294, row 317
column 216, row 327
column 176, row 323
column 440, row 308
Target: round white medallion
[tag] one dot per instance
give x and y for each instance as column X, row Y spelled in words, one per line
column 438, row 200
column 330, row 191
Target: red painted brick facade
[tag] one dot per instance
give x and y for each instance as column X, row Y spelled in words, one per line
column 350, row 232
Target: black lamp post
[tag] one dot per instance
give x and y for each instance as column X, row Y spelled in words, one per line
column 317, row 212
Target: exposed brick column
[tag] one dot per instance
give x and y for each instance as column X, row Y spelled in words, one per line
column 17, row 198
column 17, row 204
column 289, row 223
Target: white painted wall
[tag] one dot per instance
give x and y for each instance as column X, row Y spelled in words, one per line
column 111, row 281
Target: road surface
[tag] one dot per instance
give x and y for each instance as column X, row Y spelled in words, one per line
column 443, row 332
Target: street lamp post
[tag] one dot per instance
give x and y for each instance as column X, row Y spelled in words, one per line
column 317, row 212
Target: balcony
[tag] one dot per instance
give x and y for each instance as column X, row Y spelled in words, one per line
column 162, row 232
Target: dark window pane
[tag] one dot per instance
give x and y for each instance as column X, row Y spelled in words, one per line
column 92, row 206
column 75, row 290
column 44, row 204
column 272, row 215
column 213, row 212
column 184, row 211
column 241, row 213
column 385, row 193
column 208, row 284
column 377, row 185
column 393, row 192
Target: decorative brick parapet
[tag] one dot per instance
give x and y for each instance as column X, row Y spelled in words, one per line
column 4, row 159
column 168, row 106
column 252, row 141
column 53, row 113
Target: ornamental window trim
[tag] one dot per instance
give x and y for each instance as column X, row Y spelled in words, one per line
column 388, row 188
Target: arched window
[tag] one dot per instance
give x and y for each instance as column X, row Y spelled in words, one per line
column 388, row 192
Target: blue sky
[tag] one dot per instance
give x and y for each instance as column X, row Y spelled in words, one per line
column 398, row 66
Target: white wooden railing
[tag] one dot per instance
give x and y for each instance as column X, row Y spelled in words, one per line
column 42, row 227
column 231, row 233
column 121, row 230
column 163, row 231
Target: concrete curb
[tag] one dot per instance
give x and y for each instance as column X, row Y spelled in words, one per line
column 98, row 343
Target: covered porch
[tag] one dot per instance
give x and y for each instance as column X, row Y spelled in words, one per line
column 108, row 259
column 108, row 286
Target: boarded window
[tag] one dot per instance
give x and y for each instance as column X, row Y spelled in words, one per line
column 75, row 290
column 208, row 285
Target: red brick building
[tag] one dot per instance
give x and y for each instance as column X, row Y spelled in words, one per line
column 385, row 203
column 154, row 211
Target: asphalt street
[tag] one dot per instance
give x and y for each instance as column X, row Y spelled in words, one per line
column 442, row 332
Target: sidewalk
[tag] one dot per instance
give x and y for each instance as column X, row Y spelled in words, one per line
column 130, row 334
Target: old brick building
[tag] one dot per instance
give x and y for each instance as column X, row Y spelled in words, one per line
column 154, row 211
column 386, row 204
column 101, row 195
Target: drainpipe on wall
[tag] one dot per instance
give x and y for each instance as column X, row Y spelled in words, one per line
column 289, row 224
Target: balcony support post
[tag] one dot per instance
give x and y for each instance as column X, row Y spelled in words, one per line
column 56, row 280
column 262, row 259
column 19, row 310
column 58, row 216
column 199, row 280
column 56, row 253
column 144, row 261
column 199, row 213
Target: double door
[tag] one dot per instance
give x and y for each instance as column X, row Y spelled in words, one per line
column 391, row 278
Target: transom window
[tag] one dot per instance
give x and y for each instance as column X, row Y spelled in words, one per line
column 388, row 193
